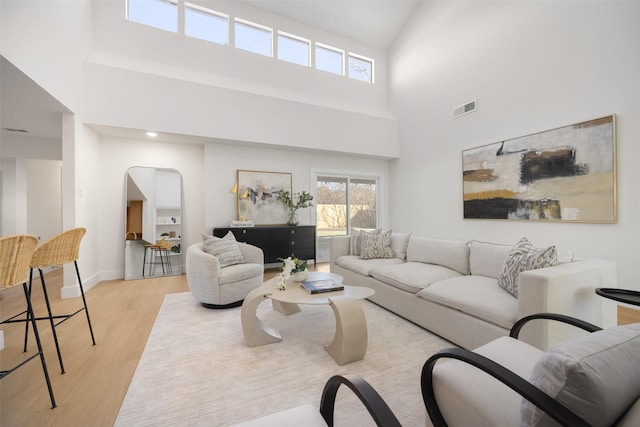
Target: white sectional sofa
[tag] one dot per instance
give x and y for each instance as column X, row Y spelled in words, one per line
column 450, row 287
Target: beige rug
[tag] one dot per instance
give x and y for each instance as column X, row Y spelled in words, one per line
column 197, row 370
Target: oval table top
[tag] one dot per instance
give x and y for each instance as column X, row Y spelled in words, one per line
column 296, row 294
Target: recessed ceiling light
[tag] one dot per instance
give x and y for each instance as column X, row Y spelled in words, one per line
column 152, row 134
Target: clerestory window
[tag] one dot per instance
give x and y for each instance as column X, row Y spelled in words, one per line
column 206, row 24
column 161, row 14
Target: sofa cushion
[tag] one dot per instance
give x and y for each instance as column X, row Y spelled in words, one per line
column 225, row 250
column 376, row 246
column 597, row 376
column 523, row 257
column 478, row 296
column 356, row 239
column 486, row 259
column 448, row 253
column 467, row 396
column 363, row 266
column 412, row 276
column 399, row 242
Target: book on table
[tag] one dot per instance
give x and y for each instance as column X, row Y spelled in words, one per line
column 319, row 286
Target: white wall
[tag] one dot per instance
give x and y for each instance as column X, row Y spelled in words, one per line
column 532, row 66
column 222, row 160
column 177, row 84
column 44, row 213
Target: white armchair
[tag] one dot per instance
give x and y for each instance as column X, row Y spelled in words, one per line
column 217, row 287
column 592, row 380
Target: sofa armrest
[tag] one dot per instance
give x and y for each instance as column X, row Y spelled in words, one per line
column 201, row 267
column 251, row 254
column 568, row 289
column 339, row 246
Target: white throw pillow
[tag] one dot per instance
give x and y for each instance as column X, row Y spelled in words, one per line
column 597, row 376
column 523, row 257
column 225, row 250
column 376, row 246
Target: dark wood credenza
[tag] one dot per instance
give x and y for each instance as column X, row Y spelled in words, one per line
column 277, row 241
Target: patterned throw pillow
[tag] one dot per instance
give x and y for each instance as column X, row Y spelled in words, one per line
column 376, row 246
column 225, row 250
column 522, row 257
column 356, row 239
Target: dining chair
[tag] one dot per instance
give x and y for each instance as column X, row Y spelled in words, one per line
column 59, row 250
column 15, row 257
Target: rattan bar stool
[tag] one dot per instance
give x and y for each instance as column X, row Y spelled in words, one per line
column 60, row 249
column 15, row 257
column 159, row 247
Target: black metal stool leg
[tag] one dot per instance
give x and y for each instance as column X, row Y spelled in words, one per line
column 53, row 326
column 30, row 314
column 26, row 323
column 84, row 301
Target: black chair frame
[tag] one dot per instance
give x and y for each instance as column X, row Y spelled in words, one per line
column 377, row 407
column 552, row 407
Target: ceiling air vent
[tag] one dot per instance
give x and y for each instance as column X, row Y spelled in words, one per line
column 469, row 107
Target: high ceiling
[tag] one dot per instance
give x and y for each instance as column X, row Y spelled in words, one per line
column 26, row 106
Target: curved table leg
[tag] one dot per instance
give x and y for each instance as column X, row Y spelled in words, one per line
column 255, row 331
column 350, row 341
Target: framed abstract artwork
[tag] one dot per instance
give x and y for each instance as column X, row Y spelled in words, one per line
column 258, row 196
column 566, row 174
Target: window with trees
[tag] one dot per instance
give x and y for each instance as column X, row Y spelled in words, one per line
column 360, row 68
column 344, row 202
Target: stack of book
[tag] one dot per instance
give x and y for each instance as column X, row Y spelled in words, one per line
column 319, row 286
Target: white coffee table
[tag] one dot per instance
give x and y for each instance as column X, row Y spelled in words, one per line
column 350, row 341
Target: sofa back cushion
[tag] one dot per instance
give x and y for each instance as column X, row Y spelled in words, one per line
column 486, row 259
column 596, row 376
column 453, row 254
column 399, row 242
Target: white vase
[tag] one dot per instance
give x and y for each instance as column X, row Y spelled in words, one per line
column 300, row 276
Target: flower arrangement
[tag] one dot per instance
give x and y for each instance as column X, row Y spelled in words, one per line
column 290, row 266
column 293, row 203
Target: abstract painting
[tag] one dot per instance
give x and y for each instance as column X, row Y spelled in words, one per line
column 258, row 196
column 564, row 174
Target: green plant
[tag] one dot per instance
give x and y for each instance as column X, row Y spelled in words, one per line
column 302, row 200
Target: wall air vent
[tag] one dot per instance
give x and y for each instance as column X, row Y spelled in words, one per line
column 469, row 107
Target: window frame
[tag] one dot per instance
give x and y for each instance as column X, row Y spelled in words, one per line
column 342, row 53
column 362, row 58
column 257, row 26
column 348, row 176
column 296, row 38
column 189, row 5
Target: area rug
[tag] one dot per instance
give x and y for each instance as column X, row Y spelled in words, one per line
column 197, row 370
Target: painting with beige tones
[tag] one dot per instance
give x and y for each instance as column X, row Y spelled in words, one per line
column 564, row 174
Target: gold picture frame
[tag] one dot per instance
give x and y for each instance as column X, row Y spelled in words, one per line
column 567, row 174
column 258, row 196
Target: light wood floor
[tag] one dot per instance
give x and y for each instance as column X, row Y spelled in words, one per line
column 97, row 377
